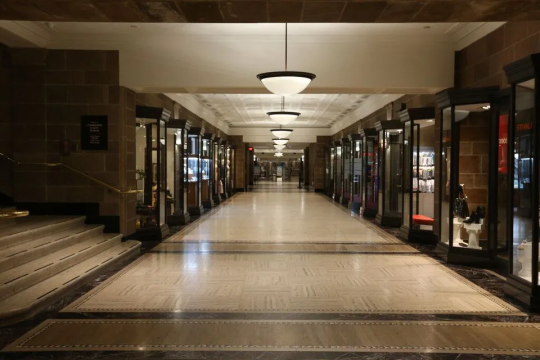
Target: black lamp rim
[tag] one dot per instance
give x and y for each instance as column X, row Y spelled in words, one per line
column 280, row 139
column 289, row 130
column 272, row 74
column 282, row 113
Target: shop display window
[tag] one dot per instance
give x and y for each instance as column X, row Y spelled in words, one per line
column 522, row 224
column 371, row 170
column 330, row 170
column 176, row 160
column 233, row 170
column 228, row 171
column 223, row 170
column 356, row 172
column 346, row 171
column 194, row 170
column 336, row 165
column 390, row 172
column 207, row 158
column 151, row 167
column 418, row 215
column 466, row 226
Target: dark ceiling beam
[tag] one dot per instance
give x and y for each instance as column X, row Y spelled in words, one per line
column 275, row 11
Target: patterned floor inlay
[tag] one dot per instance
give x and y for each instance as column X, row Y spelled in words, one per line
column 283, row 248
column 246, row 335
column 289, row 282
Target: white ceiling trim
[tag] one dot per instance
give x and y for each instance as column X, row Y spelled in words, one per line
column 24, row 34
column 189, row 102
column 473, row 32
column 368, row 107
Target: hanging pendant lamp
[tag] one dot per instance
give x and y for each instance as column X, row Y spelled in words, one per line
column 281, row 133
column 280, row 141
column 283, row 117
column 279, row 147
column 286, row 82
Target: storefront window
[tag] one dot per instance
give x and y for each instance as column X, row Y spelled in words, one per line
column 346, row 171
column 357, row 171
column 522, row 207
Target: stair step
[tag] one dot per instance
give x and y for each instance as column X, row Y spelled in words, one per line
column 31, row 250
column 24, row 276
column 36, row 297
column 29, row 228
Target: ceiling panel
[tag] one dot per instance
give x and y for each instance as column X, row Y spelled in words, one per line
column 317, row 110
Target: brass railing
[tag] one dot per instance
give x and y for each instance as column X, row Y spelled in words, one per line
column 12, row 213
column 99, row 182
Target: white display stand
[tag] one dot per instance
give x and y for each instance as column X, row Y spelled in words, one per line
column 458, row 223
column 525, row 258
column 474, row 231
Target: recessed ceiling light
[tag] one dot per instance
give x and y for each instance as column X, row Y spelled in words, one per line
column 487, row 107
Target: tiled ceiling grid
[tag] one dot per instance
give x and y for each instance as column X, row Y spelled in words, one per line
column 317, row 110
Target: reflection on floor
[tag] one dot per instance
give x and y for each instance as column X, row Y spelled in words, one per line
column 280, row 273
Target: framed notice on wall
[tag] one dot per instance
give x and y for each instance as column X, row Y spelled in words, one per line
column 94, row 132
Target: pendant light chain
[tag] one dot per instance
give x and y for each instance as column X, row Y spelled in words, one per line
column 286, row 46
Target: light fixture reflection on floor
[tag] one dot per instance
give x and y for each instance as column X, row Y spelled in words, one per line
column 280, row 141
column 279, row 147
column 286, row 82
column 283, row 117
column 281, row 133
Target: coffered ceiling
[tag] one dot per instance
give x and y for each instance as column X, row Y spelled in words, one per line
column 317, row 110
column 242, row 11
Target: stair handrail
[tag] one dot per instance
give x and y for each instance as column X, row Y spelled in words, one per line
column 11, row 213
column 104, row 184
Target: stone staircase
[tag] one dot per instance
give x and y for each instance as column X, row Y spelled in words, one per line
column 42, row 258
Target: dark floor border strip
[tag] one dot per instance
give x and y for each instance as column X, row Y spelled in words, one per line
column 284, row 252
column 249, row 355
column 147, row 315
column 247, row 242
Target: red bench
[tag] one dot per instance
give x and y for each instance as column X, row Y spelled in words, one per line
column 422, row 220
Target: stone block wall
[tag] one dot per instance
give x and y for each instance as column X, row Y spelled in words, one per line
column 481, row 63
column 240, row 161
column 51, row 90
column 6, row 168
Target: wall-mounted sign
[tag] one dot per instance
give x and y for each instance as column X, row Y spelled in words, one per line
column 94, row 132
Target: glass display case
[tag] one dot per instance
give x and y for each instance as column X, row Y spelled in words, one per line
column 465, row 226
column 336, row 165
column 194, row 171
column 207, row 167
column 346, row 171
column 370, row 154
column 418, row 214
column 356, row 172
column 329, row 155
column 389, row 204
column 228, row 167
column 217, row 185
column 151, row 171
column 232, row 182
column 177, row 130
column 523, row 215
column 223, row 169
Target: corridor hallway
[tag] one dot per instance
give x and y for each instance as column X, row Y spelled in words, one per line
column 281, row 273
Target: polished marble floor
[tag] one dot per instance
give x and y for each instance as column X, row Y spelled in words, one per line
column 281, row 273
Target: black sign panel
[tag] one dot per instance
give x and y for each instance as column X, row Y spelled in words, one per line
column 94, row 132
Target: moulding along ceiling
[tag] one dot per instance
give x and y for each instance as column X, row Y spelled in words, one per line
column 246, row 110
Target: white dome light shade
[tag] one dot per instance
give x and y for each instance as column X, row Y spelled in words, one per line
column 283, row 117
column 286, row 83
column 281, row 133
column 279, row 147
column 278, row 154
column 280, row 141
column 459, row 115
